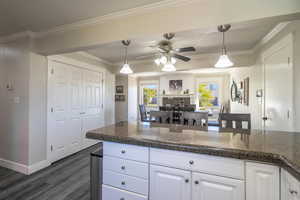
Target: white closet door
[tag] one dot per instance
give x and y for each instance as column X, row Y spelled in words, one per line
column 59, row 111
column 93, row 94
column 76, row 110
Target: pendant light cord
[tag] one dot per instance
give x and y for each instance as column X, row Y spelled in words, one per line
column 224, row 47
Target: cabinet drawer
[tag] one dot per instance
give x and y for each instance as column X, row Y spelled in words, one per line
column 110, row 193
column 128, row 167
column 126, row 151
column 125, row 182
column 227, row 167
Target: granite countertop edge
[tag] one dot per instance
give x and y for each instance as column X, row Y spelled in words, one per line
column 258, row 156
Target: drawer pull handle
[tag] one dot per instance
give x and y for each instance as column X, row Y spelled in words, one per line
column 123, row 151
column 123, row 167
column 191, row 162
column 123, row 182
column 293, row 192
column 122, row 198
column 186, row 180
column 196, row 182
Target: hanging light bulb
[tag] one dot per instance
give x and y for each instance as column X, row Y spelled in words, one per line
column 224, row 60
column 163, row 60
column 157, row 61
column 173, row 60
column 126, row 67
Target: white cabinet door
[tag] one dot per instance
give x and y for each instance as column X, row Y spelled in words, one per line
column 168, row 183
column 58, row 118
column 209, row 187
column 92, row 103
column 262, row 182
column 290, row 187
column 76, row 110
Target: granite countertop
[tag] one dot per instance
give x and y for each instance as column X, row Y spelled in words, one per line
column 278, row 148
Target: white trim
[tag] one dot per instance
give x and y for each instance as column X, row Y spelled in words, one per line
column 76, row 63
column 92, row 57
column 38, row 166
column 16, row 36
column 24, row 169
column 277, row 29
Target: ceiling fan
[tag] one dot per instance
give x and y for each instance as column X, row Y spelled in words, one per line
column 166, row 47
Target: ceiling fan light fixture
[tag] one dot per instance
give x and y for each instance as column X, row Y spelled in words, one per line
column 169, row 67
column 224, row 62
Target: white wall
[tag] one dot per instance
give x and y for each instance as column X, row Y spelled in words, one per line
column 132, row 99
column 188, row 82
column 121, row 107
column 14, row 120
column 37, row 108
column 255, row 83
column 109, row 105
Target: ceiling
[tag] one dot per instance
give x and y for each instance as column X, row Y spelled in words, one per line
column 241, row 37
column 40, row 15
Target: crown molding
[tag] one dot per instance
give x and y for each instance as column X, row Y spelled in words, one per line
column 277, row 29
column 115, row 15
column 16, row 36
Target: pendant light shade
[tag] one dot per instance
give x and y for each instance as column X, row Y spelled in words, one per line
column 126, row 67
column 224, row 60
column 169, row 67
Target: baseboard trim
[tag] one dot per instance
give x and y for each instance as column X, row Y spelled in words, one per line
column 24, row 169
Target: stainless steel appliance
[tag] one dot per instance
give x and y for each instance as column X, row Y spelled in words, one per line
column 96, row 174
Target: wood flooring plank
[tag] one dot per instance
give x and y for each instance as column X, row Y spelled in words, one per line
column 67, row 179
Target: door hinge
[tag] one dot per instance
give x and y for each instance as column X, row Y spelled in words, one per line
column 52, row 71
column 51, row 148
column 52, row 110
column 289, row 60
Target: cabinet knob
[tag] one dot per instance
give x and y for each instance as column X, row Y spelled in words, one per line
column 191, row 162
column 123, row 182
column 196, row 182
column 186, row 180
column 123, row 167
column 123, row 151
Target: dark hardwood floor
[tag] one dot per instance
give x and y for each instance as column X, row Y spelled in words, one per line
column 67, row 179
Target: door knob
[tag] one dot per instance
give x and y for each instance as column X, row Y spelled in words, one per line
column 186, row 180
column 123, row 182
column 196, row 182
column 191, row 162
column 123, row 151
column 265, row 118
column 123, row 167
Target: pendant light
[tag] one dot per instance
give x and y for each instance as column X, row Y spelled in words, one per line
column 126, row 67
column 224, row 60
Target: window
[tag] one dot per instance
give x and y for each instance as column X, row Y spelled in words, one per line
column 208, row 95
column 149, row 94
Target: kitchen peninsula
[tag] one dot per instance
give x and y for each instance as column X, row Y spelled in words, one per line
column 146, row 162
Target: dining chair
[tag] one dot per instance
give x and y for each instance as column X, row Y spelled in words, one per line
column 161, row 116
column 235, row 120
column 143, row 114
column 199, row 119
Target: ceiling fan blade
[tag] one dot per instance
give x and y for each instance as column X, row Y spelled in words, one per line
column 185, row 49
column 184, row 58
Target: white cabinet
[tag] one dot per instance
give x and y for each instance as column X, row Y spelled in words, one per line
column 209, row 187
column 262, row 182
column 75, row 98
column 168, row 183
column 290, row 187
